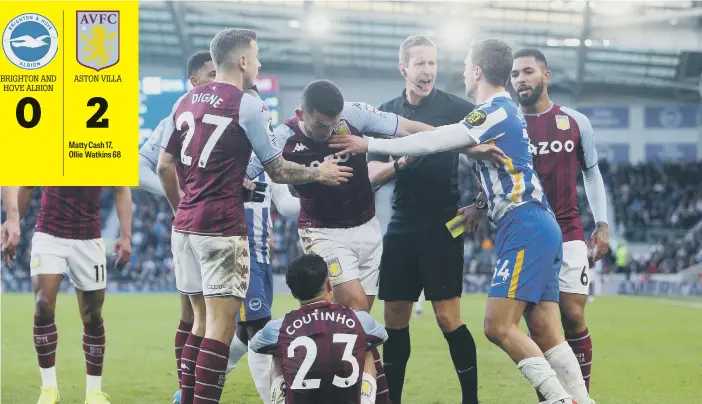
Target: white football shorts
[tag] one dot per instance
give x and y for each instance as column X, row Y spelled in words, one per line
column 83, row 260
column 352, row 253
column 575, row 270
column 211, row 265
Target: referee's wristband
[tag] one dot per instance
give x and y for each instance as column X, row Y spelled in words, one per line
column 396, row 165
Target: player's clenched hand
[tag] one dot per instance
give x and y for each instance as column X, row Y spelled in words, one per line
column 10, row 237
column 599, row 241
column 249, row 188
column 349, row 144
column 485, row 151
column 471, row 217
column 404, row 161
column 123, row 251
column 331, row 173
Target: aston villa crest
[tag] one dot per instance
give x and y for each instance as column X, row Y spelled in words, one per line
column 97, row 39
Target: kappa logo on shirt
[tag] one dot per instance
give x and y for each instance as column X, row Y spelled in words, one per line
column 299, row 147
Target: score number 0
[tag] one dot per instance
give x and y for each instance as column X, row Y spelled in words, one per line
column 95, row 121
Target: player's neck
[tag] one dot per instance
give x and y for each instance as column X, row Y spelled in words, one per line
column 231, row 78
column 541, row 105
column 411, row 97
column 485, row 91
column 317, row 299
column 302, row 129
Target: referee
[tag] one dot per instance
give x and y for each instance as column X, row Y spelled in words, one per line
column 418, row 251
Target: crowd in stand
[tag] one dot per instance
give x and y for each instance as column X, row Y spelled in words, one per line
column 646, row 197
column 665, row 196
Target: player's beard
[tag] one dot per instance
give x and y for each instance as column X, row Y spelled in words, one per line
column 532, row 98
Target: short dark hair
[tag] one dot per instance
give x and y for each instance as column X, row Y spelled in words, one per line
column 197, row 61
column 410, row 42
column 534, row 53
column 494, row 58
column 306, row 276
column 227, row 41
column 324, row 97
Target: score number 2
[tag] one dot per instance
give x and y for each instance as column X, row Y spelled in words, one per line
column 95, row 121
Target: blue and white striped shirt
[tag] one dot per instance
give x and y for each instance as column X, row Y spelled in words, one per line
column 499, row 121
column 258, row 216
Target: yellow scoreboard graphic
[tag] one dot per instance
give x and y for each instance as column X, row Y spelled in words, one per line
column 69, row 90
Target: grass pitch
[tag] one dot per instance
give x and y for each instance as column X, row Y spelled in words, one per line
column 646, row 351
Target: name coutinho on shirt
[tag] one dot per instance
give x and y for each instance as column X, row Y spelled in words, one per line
column 323, row 316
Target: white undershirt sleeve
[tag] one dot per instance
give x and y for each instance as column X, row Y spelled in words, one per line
column 443, row 138
column 595, row 192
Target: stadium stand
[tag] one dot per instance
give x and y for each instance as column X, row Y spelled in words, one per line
column 647, row 196
column 652, row 196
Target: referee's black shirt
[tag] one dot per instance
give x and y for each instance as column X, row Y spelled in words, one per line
column 426, row 191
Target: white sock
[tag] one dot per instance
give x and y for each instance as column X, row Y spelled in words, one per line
column 93, row 384
column 369, row 389
column 543, row 378
column 565, row 364
column 260, row 367
column 237, row 349
column 48, row 377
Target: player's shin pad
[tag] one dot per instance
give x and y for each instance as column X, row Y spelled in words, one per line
column 368, row 389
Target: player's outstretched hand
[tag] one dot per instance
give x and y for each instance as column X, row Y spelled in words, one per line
column 123, row 251
column 331, row 173
column 10, row 237
column 485, row 151
column 349, row 144
column 471, row 218
column 599, row 241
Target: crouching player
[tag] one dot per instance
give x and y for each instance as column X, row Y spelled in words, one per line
column 321, row 350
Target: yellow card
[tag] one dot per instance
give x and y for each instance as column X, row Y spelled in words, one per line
column 458, row 230
column 69, row 87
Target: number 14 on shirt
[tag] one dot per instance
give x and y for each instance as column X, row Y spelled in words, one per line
column 69, row 88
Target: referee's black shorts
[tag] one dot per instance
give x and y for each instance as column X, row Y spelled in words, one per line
column 431, row 260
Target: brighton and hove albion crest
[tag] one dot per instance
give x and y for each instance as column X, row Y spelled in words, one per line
column 30, row 41
column 97, row 39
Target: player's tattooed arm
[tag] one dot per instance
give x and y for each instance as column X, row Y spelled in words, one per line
column 169, row 180
column 286, row 172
